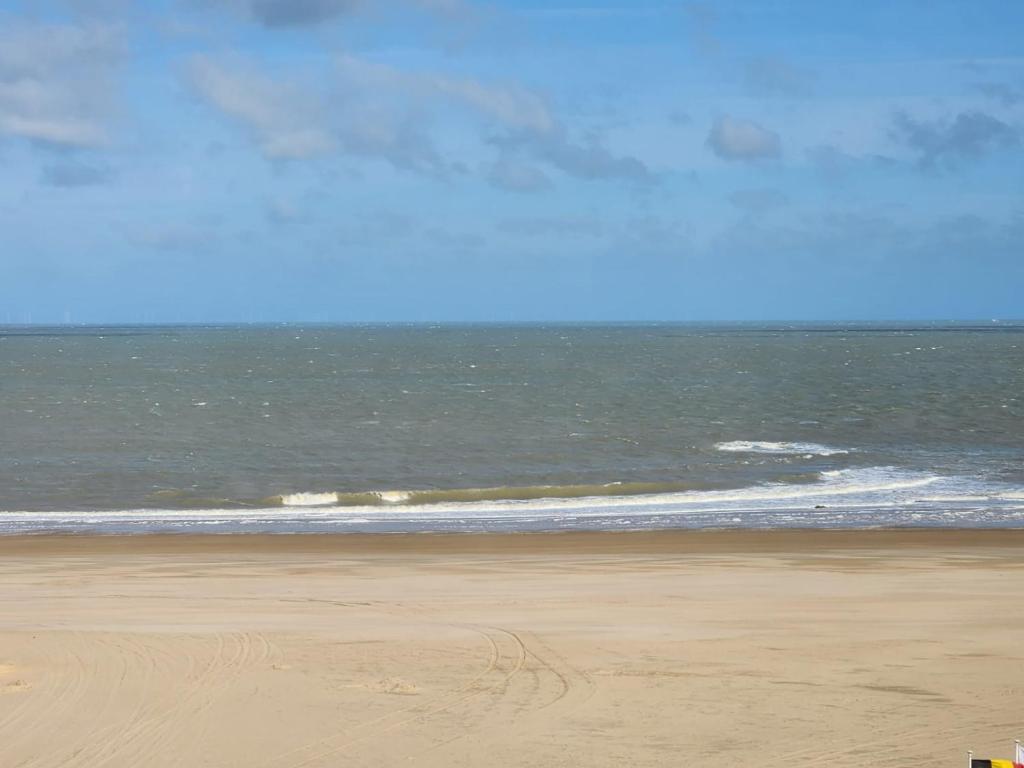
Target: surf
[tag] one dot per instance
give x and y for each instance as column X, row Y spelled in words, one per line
column 779, row 448
column 848, row 498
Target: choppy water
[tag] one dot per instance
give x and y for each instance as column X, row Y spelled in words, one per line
column 510, row 428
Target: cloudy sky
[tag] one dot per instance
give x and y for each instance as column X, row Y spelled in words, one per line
column 367, row 160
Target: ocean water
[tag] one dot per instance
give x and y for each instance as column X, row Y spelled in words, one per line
column 467, row 428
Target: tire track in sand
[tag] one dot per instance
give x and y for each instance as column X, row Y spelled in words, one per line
column 61, row 702
column 498, row 687
column 574, row 687
column 325, row 747
column 155, row 734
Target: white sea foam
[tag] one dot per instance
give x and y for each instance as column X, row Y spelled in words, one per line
column 394, row 497
column 309, row 499
column 782, row 448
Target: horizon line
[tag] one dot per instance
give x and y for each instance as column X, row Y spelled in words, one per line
column 931, row 321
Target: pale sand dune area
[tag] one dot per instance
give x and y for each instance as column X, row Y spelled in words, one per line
column 666, row 649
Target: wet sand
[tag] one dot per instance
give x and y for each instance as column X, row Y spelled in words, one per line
column 865, row 648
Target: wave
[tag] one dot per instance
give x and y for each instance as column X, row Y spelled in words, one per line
column 498, row 493
column 860, row 497
column 783, row 448
column 308, row 499
column 317, row 499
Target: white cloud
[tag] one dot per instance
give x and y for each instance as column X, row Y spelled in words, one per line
column 57, row 82
column 590, row 160
column 367, row 109
column 511, row 106
column 524, row 119
column 286, row 119
column 733, row 138
column 307, row 13
column 376, row 110
column 517, row 175
column 967, row 136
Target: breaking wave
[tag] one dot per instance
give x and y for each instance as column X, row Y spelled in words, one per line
column 467, row 495
column 308, row 499
column 764, row 446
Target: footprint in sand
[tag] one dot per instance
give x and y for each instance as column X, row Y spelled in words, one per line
column 11, row 686
column 15, row 686
column 397, row 687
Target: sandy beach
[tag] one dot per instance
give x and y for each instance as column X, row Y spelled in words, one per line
column 867, row 648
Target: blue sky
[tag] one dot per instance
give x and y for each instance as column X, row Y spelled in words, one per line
column 424, row 160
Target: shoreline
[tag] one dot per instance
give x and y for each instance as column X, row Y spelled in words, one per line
column 661, row 542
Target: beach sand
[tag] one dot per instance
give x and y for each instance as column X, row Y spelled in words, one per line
column 878, row 648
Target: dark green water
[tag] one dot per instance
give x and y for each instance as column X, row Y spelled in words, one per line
column 105, row 419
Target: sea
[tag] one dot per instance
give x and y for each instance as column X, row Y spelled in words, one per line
column 436, row 428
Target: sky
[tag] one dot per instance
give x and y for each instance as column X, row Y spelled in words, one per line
column 451, row 160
